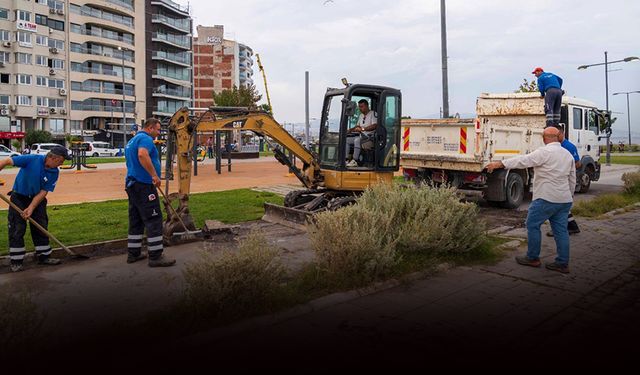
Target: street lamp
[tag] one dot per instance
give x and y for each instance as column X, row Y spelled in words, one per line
column 606, row 85
column 124, row 115
column 628, row 113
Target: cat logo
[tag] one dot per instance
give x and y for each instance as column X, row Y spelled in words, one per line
column 237, row 124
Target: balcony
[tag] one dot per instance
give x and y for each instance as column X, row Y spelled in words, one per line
column 184, row 76
column 122, row 3
column 106, row 34
column 113, row 73
column 107, row 16
column 183, row 59
column 180, row 41
column 172, row 5
column 101, row 108
column 180, row 94
column 182, row 24
column 113, row 53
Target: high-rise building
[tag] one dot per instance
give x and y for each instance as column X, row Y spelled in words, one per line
column 64, row 67
column 219, row 64
column 169, row 62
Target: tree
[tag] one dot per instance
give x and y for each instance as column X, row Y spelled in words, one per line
column 265, row 107
column 527, row 86
column 37, row 136
column 17, row 145
column 245, row 96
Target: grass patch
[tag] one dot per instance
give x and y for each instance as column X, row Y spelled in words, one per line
column 609, row 202
column 92, row 222
column 628, row 160
column 99, row 160
column 266, row 153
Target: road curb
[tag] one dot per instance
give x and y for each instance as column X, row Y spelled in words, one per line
column 621, row 210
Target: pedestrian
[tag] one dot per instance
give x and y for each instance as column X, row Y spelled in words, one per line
column 550, row 86
column 572, row 225
column 554, row 176
column 37, row 177
column 143, row 171
column 210, row 147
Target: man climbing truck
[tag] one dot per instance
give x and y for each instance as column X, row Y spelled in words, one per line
column 456, row 151
column 329, row 183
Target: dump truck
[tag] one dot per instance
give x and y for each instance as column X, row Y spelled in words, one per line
column 456, row 151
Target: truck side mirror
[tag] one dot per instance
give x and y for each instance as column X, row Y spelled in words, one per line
column 349, row 108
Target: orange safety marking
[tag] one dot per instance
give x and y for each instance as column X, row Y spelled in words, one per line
column 405, row 139
column 463, row 140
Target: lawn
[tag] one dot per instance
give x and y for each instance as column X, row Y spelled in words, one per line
column 92, row 222
column 620, row 159
column 92, row 160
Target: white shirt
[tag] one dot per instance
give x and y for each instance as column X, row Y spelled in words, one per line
column 368, row 120
column 554, row 172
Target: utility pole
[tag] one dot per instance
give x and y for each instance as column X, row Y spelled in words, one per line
column 628, row 109
column 124, row 114
column 306, row 108
column 445, row 80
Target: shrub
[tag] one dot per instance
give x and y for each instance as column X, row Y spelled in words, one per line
column 634, row 148
column 631, row 182
column 20, row 322
column 234, row 283
column 37, row 136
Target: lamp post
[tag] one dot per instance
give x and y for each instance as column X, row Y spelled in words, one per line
column 628, row 112
column 124, row 114
column 606, row 64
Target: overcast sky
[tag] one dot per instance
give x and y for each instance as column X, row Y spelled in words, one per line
column 492, row 46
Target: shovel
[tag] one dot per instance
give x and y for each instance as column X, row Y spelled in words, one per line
column 35, row 223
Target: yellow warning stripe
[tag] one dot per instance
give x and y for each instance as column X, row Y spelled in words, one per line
column 507, row 151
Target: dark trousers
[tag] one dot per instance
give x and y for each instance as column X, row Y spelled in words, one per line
column 144, row 213
column 210, row 152
column 18, row 226
column 572, row 226
column 552, row 104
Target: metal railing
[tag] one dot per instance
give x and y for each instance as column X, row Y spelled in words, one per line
column 102, row 33
column 100, row 52
column 180, row 40
column 107, row 16
column 100, row 108
column 115, row 73
column 182, row 76
column 186, row 59
column 122, row 3
column 172, row 92
column 182, row 24
column 173, row 4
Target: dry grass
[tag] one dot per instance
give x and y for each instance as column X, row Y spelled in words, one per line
column 234, row 283
column 608, row 202
column 631, row 182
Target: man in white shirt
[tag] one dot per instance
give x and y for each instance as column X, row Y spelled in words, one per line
column 365, row 128
column 553, row 186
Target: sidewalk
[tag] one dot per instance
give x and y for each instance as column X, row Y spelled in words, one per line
column 482, row 316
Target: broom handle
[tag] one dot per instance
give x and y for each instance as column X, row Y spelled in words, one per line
column 173, row 209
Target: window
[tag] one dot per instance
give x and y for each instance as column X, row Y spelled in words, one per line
column 23, row 100
column 391, row 121
column 56, row 125
column 593, row 121
column 42, row 101
column 23, row 58
column 577, row 118
column 42, row 40
column 42, row 60
column 23, row 79
column 4, row 99
column 76, row 125
column 56, row 103
column 330, row 131
column 56, row 43
column 23, row 37
column 41, row 20
column 5, row 35
column 4, row 14
column 56, row 83
column 4, row 57
column 55, row 24
column 23, row 15
column 56, row 64
column 42, row 81
column 4, row 78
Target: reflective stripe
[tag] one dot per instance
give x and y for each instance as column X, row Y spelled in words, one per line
column 136, row 236
column 156, row 247
column 17, row 250
column 43, row 247
column 134, row 244
column 154, row 239
column 45, row 252
column 16, row 257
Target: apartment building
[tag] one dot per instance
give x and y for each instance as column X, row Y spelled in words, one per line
column 169, row 61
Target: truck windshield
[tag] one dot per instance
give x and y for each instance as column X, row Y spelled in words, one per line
column 330, row 131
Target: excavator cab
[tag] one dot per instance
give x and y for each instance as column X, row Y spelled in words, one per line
column 379, row 154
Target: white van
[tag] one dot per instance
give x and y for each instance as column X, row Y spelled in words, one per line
column 42, row 148
column 5, row 152
column 96, row 149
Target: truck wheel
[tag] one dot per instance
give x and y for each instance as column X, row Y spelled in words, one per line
column 514, row 191
column 584, row 180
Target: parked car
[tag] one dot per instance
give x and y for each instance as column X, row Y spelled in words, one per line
column 6, row 152
column 42, row 148
column 96, row 149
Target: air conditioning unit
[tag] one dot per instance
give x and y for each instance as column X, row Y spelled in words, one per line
column 53, row 50
column 4, row 112
column 12, row 108
column 60, row 11
column 63, row 111
column 50, row 31
column 62, row 92
column 52, row 11
column 52, row 72
column 1, row 64
column 52, row 110
column 6, row 44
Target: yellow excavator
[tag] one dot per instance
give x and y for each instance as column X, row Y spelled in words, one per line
column 328, row 182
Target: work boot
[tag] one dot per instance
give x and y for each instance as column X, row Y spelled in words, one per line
column 133, row 259
column 49, row 261
column 16, row 267
column 526, row 261
column 162, row 262
column 557, row 267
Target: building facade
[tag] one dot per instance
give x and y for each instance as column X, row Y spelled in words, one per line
column 245, row 65
column 169, row 61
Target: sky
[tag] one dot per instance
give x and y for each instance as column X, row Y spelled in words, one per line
column 492, row 46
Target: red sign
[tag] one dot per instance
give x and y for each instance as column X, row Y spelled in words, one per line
column 11, row 135
column 114, row 102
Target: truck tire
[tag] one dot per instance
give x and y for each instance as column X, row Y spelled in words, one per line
column 584, row 181
column 514, row 191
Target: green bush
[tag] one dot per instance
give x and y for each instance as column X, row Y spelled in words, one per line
column 37, row 136
column 365, row 241
column 631, row 182
column 234, row 283
column 634, row 148
column 20, row 322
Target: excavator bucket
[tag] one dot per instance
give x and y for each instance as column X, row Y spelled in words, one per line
column 287, row 216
